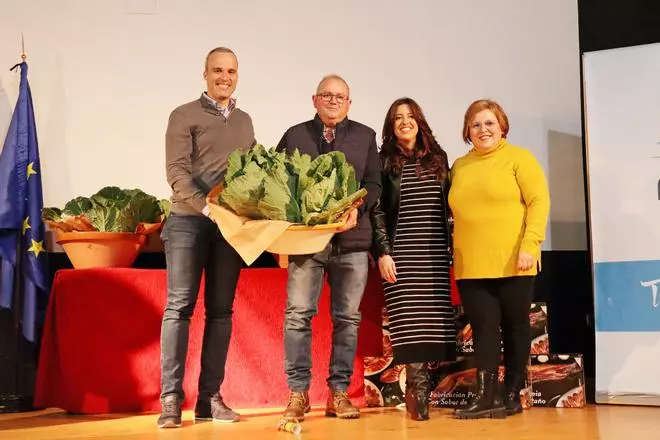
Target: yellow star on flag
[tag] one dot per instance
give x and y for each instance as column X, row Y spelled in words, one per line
column 37, row 247
column 30, row 170
column 26, row 224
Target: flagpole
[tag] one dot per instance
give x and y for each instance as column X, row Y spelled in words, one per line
column 18, row 298
column 25, row 357
column 19, row 399
column 23, row 56
column 10, row 398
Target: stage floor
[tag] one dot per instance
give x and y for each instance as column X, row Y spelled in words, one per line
column 593, row 422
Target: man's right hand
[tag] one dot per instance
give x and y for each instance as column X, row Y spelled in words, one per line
column 387, row 268
column 351, row 221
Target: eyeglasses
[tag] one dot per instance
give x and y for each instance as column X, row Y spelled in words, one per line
column 489, row 124
column 327, row 97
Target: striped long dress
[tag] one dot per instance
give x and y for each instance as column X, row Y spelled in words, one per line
column 418, row 305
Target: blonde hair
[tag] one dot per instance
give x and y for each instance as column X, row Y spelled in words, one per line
column 480, row 105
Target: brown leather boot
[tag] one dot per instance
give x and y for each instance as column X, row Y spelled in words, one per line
column 417, row 391
column 339, row 405
column 298, row 406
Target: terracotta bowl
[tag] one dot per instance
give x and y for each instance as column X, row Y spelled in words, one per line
column 101, row 249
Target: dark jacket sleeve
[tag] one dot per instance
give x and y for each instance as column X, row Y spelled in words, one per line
column 281, row 146
column 371, row 179
column 450, row 216
column 381, row 239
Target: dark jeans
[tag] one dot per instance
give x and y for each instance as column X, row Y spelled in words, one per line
column 491, row 304
column 193, row 244
column 347, row 277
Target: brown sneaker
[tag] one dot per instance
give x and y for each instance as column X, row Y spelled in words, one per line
column 339, row 405
column 298, row 406
column 214, row 408
column 170, row 416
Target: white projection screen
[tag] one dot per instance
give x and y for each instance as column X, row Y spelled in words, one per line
column 622, row 110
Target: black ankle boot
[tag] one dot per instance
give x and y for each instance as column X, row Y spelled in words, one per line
column 487, row 402
column 417, row 391
column 513, row 384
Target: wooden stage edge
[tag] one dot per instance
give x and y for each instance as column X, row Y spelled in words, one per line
column 593, row 422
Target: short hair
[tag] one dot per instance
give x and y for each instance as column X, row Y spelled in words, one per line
column 333, row 76
column 484, row 104
column 219, row 49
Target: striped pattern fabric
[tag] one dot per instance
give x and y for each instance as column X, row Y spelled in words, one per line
column 419, row 309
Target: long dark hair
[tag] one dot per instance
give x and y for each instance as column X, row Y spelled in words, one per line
column 431, row 155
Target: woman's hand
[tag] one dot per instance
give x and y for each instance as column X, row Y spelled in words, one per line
column 525, row 261
column 387, row 268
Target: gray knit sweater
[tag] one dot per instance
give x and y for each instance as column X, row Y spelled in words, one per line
column 198, row 142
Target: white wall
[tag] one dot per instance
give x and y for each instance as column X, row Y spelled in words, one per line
column 104, row 80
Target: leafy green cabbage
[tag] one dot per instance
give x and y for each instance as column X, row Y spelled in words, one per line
column 266, row 184
column 112, row 209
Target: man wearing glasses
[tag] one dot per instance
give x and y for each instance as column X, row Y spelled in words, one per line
column 345, row 259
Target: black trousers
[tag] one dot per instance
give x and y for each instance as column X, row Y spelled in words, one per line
column 494, row 304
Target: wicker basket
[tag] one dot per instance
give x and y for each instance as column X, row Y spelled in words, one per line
column 295, row 240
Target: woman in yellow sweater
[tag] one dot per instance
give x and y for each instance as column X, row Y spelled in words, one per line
column 500, row 203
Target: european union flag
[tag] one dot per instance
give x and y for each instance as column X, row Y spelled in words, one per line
column 23, row 263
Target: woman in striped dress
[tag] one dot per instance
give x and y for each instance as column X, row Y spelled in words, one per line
column 412, row 244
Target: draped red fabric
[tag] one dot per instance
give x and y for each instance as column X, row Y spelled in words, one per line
column 100, row 350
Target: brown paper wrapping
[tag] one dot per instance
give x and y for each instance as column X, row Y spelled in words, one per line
column 250, row 238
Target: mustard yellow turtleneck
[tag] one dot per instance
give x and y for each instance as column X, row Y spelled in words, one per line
column 500, row 203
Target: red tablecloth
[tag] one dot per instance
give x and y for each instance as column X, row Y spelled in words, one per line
column 100, row 348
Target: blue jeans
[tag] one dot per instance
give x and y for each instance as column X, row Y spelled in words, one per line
column 194, row 245
column 347, row 277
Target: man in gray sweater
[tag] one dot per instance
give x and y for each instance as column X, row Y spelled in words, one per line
column 200, row 136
